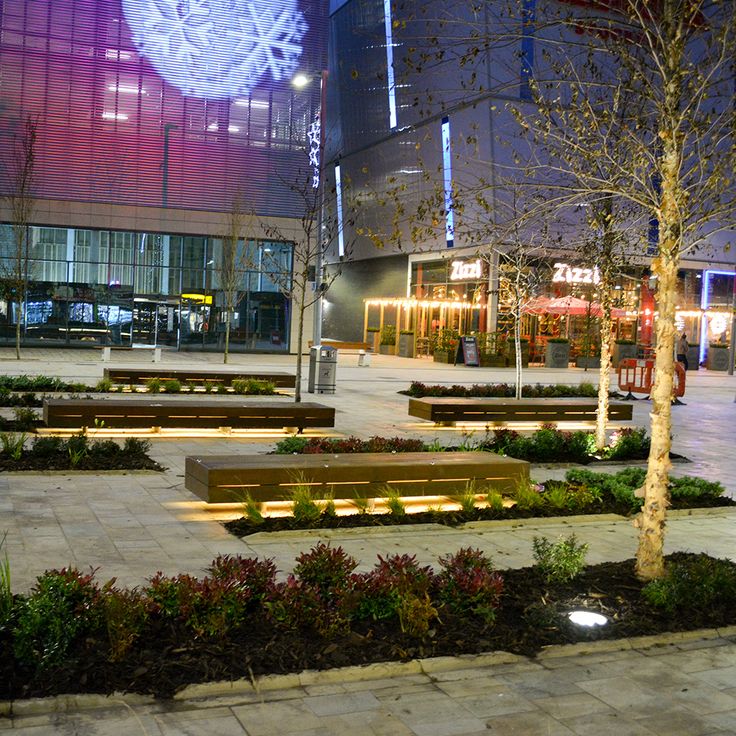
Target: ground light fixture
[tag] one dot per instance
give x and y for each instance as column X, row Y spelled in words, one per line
column 587, row 618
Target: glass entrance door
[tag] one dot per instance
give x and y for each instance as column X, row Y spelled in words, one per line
column 155, row 323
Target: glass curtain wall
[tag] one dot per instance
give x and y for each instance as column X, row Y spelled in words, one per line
column 128, row 288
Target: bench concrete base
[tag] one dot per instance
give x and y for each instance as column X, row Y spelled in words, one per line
column 226, row 478
column 449, row 410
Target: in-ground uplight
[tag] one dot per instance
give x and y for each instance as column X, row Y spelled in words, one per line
column 587, row 618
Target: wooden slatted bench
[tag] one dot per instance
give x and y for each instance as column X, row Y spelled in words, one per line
column 185, row 413
column 142, row 375
column 447, row 410
column 225, row 478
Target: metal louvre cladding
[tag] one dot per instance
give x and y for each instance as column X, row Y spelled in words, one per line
column 115, row 83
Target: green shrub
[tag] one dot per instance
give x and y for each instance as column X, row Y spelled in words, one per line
column 48, row 446
column 527, row 496
column 326, row 568
column 549, row 444
column 104, row 448
column 136, row 446
column 381, row 591
column 209, row 607
column 104, row 385
column 291, row 445
column 25, row 418
column 494, row 500
column 467, row 499
column 396, row 507
column 559, row 561
column 468, row 584
column 13, row 444
column 153, row 385
column 253, row 387
column 304, row 507
column 172, row 386
column 362, row 505
column 689, row 487
column 697, row 583
column 208, row 386
column 63, row 606
column 252, row 510
column 77, row 447
column 629, row 444
column 6, row 592
column 620, row 487
column 125, row 615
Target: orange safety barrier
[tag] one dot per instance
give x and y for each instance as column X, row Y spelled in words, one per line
column 635, row 376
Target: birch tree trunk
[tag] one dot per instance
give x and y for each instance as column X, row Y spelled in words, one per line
column 300, row 337
column 227, row 339
column 604, row 375
column 517, row 348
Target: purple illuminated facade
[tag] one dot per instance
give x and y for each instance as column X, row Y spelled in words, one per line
column 152, row 117
column 113, row 84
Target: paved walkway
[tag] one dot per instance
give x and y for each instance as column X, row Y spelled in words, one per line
column 133, row 525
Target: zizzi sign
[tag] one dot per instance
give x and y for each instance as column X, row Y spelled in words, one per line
column 573, row 275
column 466, row 270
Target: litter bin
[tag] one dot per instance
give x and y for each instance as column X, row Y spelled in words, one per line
column 322, row 369
column 364, row 359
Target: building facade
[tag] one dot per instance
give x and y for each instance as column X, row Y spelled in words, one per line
column 416, row 125
column 154, row 121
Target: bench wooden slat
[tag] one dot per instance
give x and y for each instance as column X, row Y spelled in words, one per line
column 194, row 413
column 134, row 376
column 449, row 409
column 224, row 478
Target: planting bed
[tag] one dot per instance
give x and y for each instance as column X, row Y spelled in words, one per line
column 583, row 492
column 78, row 453
column 163, row 652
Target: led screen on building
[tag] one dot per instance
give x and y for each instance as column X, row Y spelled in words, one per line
column 178, row 103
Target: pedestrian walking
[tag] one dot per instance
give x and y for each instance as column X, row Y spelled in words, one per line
column 682, row 348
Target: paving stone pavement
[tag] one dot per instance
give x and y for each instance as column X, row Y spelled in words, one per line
column 135, row 524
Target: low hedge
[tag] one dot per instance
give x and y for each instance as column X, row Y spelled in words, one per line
column 546, row 445
column 419, row 390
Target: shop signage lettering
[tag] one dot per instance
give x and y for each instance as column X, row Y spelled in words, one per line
column 466, row 270
column 573, row 275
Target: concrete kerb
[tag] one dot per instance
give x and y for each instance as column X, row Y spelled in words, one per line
column 428, row 668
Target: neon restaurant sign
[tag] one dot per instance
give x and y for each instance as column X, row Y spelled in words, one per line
column 467, row 270
column 567, row 274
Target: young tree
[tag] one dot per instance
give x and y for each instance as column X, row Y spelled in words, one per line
column 663, row 72
column 319, row 230
column 231, row 266
column 628, row 99
column 18, row 186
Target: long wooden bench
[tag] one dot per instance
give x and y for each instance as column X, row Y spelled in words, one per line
column 444, row 410
column 226, row 478
column 142, row 375
column 186, row 413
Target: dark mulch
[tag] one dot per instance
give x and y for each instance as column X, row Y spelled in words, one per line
column 532, row 614
column 243, row 527
column 60, row 462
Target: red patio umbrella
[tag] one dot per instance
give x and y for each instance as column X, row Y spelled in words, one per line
column 536, row 305
column 571, row 306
